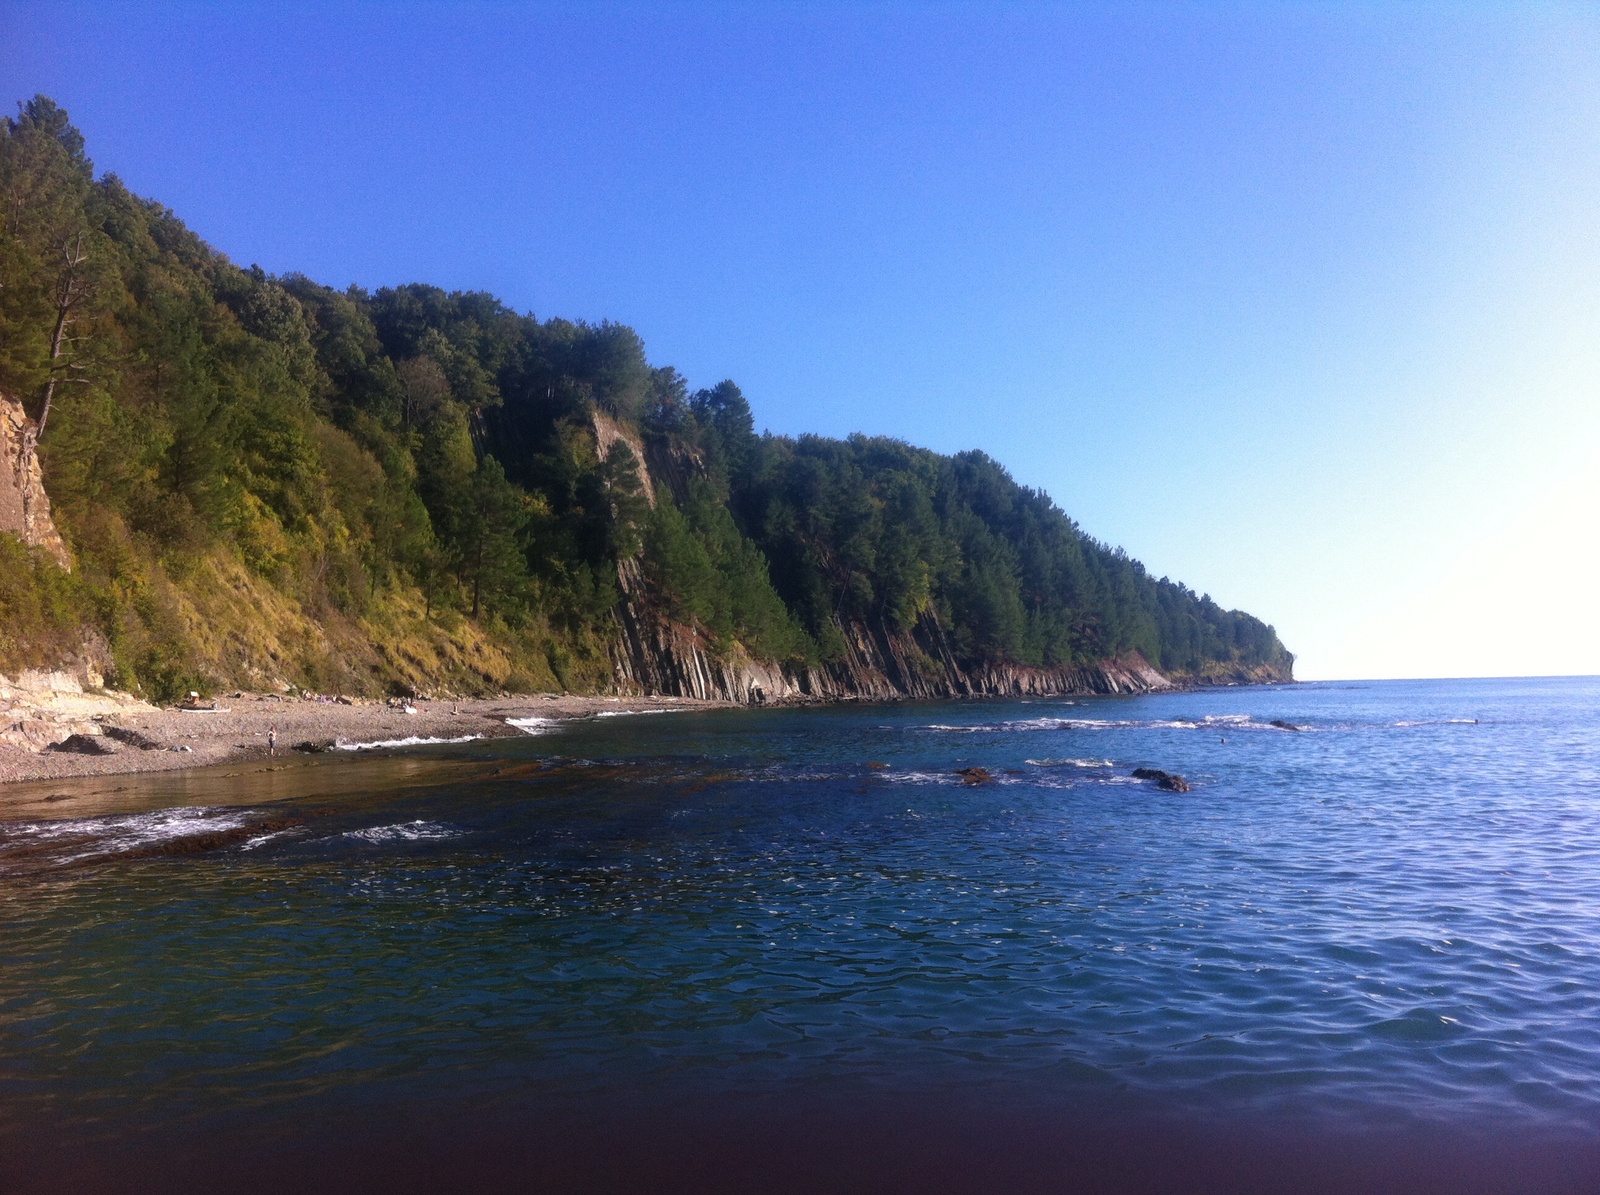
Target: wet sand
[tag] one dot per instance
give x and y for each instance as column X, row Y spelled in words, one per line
column 238, row 730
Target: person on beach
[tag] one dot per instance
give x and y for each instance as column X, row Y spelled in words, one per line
column 272, row 741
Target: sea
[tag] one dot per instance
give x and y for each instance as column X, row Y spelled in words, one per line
column 810, row 949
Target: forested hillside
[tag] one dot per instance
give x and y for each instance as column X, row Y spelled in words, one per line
column 265, row 481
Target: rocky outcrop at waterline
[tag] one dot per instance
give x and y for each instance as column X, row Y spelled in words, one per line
column 654, row 655
column 1169, row 781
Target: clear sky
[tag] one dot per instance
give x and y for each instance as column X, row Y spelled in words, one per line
column 1298, row 303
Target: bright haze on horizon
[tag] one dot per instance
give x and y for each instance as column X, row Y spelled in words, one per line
column 1298, row 304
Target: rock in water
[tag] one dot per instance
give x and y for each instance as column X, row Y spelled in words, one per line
column 83, row 744
column 1282, row 725
column 314, row 746
column 974, row 775
column 1171, row 781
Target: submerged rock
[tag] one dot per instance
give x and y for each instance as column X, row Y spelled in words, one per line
column 1282, row 725
column 1170, row 781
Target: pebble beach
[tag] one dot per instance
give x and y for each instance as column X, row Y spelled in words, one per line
column 238, row 729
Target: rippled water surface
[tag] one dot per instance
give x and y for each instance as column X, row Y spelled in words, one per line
column 1386, row 916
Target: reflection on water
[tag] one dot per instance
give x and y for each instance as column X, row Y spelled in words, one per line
column 253, row 783
column 1382, row 919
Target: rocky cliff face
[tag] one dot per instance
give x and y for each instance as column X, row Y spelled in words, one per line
column 653, row 655
column 24, row 507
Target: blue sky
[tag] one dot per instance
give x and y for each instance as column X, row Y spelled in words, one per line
column 1300, row 304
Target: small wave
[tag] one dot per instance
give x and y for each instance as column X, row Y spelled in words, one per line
column 1071, row 763
column 1004, row 727
column 417, row 831
column 183, row 830
column 631, row 713
column 411, row 740
column 532, row 725
column 1439, row 722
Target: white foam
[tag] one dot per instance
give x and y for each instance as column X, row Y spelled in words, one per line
column 1071, row 763
column 532, row 725
column 413, row 740
column 417, row 831
column 106, row 837
column 630, row 713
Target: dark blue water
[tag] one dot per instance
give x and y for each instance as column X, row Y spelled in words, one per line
column 1379, row 930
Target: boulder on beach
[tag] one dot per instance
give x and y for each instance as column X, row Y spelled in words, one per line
column 132, row 738
column 83, row 744
column 1170, row 781
column 314, row 746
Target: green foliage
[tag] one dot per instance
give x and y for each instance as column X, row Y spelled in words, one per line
column 714, row 578
column 224, row 443
column 872, row 530
column 42, row 608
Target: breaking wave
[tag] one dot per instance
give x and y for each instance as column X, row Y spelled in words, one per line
column 411, row 740
column 179, row 831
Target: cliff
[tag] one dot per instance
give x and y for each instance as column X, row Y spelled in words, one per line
column 24, row 506
column 652, row 655
column 649, row 652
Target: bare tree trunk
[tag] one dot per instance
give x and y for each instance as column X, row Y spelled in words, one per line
column 71, row 290
column 63, row 316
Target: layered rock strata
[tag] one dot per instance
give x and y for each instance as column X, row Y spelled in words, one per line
column 653, row 655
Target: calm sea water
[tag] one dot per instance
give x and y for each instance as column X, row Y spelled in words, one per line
column 1375, row 937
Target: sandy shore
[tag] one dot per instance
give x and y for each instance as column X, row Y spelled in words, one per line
column 239, row 728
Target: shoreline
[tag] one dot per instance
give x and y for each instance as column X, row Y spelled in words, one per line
column 236, row 732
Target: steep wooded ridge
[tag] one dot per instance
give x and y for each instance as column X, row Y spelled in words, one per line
column 262, row 481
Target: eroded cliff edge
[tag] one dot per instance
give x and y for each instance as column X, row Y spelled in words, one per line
column 24, row 505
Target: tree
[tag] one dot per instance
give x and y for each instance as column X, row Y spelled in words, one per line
column 495, row 564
